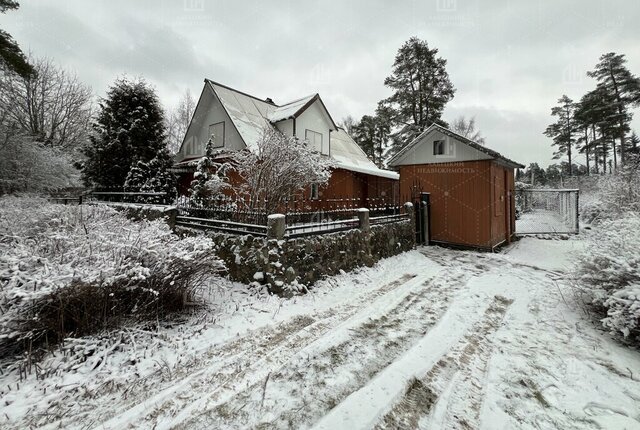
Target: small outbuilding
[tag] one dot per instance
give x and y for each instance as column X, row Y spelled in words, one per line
column 471, row 188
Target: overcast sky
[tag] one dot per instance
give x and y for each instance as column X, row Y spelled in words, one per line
column 509, row 60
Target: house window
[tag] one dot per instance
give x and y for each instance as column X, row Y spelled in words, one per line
column 442, row 147
column 315, row 192
column 315, row 141
column 216, row 134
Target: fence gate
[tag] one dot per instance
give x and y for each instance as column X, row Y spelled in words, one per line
column 541, row 211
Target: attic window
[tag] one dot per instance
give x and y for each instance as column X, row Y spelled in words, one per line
column 315, row 142
column 216, row 133
column 442, row 147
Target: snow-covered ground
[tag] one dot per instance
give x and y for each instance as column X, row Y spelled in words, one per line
column 543, row 221
column 433, row 338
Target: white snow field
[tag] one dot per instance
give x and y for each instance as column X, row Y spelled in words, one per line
column 434, row 339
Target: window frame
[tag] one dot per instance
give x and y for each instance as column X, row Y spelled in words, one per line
column 448, row 148
column 306, row 137
column 440, row 143
column 224, row 127
column 314, row 193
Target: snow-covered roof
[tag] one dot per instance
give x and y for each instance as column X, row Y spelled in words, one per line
column 249, row 114
column 490, row 152
column 292, row 109
column 349, row 156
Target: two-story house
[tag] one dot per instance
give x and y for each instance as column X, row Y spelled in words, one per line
column 236, row 119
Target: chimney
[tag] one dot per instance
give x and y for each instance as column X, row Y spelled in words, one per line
column 268, row 100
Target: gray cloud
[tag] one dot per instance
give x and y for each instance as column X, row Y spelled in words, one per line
column 509, row 60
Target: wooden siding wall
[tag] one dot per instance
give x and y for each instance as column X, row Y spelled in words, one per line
column 343, row 184
column 461, row 203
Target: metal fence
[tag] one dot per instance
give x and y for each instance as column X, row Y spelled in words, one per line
column 547, row 211
column 302, row 217
column 296, row 211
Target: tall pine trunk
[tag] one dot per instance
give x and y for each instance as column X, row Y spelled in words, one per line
column 586, row 143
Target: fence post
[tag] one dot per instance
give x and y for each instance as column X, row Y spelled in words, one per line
column 577, row 208
column 363, row 217
column 275, row 226
column 408, row 209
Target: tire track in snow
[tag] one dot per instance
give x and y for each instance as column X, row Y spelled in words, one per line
column 450, row 395
column 302, row 391
column 222, row 365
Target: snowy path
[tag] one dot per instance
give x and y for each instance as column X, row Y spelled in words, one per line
column 434, row 338
column 542, row 221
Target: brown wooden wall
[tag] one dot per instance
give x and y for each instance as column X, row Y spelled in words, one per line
column 363, row 190
column 503, row 224
column 470, row 205
column 345, row 184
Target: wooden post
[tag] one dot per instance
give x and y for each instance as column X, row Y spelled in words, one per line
column 363, row 217
column 275, row 226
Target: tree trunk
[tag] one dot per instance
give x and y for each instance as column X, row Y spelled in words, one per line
column 621, row 113
column 586, row 142
column 595, row 153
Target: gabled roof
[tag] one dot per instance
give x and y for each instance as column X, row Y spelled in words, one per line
column 490, row 152
column 250, row 115
column 349, row 156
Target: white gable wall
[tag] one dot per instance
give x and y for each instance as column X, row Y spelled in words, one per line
column 285, row 127
column 422, row 151
column 314, row 118
column 209, row 111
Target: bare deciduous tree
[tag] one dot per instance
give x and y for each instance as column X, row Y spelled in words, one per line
column 26, row 165
column 52, row 105
column 278, row 168
column 177, row 121
column 467, row 128
column 349, row 124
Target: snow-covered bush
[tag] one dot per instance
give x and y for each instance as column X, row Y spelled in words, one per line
column 616, row 195
column 29, row 166
column 609, row 273
column 71, row 270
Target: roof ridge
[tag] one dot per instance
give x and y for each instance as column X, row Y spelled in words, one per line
column 299, row 99
column 241, row 92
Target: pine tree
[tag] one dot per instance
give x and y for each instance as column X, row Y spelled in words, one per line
column 563, row 130
column 421, row 89
column 129, row 128
column 11, row 56
column 365, row 135
column 622, row 86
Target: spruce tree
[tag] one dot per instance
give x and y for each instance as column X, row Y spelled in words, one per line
column 129, row 128
column 209, row 179
column 152, row 177
column 421, row 89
